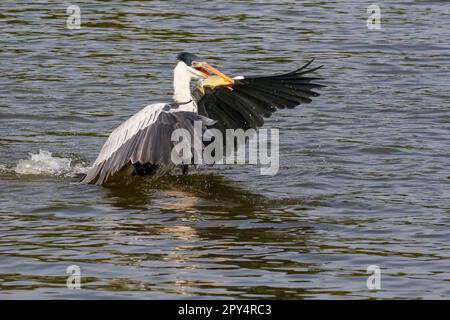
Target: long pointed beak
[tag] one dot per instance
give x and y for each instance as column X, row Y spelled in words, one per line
column 210, row 71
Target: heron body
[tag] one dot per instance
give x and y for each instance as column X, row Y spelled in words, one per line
column 142, row 144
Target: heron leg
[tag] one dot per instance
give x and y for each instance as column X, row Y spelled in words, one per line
column 144, row 169
column 185, row 168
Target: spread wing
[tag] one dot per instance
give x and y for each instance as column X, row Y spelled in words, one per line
column 144, row 138
column 251, row 99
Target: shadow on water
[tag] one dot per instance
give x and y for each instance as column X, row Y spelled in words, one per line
column 140, row 192
column 209, row 193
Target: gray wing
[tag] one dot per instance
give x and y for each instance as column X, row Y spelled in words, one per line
column 150, row 143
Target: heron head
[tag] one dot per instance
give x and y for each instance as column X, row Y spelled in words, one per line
column 201, row 69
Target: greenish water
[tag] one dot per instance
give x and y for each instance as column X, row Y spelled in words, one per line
column 363, row 173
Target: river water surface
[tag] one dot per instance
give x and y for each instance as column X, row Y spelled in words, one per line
column 364, row 169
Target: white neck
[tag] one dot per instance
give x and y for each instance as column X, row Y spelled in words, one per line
column 182, row 77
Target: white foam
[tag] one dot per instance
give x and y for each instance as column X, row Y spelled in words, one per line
column 44, row 163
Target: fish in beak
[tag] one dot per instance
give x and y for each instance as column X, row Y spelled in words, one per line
column 212, row 78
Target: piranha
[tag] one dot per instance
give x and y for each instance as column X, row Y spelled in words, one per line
column 214, row 78
column 215, row 81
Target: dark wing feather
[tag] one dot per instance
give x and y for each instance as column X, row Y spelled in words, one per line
column 254, row 98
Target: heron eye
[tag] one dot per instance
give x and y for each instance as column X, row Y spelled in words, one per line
column 195, row 64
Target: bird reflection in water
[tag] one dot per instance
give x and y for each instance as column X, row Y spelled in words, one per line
column 184, row 193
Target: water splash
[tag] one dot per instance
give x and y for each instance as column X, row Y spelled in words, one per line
column 43, row 163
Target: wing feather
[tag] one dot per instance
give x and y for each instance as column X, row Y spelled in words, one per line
column 145, row 138
column 254, row 98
